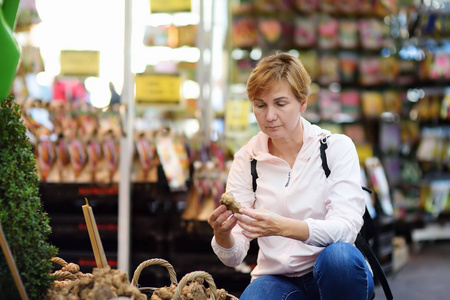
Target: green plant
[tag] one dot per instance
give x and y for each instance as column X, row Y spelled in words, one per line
column 25, row 225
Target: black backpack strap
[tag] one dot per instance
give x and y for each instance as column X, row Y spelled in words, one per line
column 254, row 173
column 323, row 155
column 378, row 272
column 361, row 242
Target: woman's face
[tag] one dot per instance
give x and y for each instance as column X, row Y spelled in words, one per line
column 278, row 112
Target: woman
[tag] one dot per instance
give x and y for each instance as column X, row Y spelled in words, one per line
column 305, row 223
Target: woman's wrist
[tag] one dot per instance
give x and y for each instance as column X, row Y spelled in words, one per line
column 224, row 240
column 295, row 229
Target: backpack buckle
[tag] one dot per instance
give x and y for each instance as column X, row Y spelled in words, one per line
column 324, row 138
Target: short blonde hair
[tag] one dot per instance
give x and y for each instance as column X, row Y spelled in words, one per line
column 277, row 68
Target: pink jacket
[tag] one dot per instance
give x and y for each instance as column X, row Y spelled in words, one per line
column 332, row 207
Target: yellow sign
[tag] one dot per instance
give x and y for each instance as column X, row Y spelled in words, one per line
column 236, row 115
column 157, row 88
column 80, row 63
column 364, row 151
column 168, row 6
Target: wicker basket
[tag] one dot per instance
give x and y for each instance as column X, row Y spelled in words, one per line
column 62, row 275
column 173, row 279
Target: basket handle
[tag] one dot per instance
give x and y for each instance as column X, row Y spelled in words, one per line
column 191, row 276
column 154, row 261
column 59, row 261
column 63, row 275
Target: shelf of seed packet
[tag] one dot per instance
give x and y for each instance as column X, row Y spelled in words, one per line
column 424, row 130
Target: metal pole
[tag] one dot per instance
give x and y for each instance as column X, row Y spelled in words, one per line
column 201, row 78
column 126, row 143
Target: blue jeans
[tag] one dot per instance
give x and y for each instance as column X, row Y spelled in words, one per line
column 340, row 272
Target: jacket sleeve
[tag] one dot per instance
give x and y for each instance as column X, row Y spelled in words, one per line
column 239, row 185
column 344, row 196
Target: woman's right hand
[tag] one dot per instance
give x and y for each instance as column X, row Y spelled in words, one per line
column 222, row 222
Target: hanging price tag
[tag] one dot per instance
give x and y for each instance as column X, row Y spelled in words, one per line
column 170, row 6
column 80, row 63
column 158, row 89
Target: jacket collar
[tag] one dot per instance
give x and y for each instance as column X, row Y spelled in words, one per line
column 259, row 148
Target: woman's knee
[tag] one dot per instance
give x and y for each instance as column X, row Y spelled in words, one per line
column 271, row 287
column 340, row 256
column 342, row 267
column 260, row 287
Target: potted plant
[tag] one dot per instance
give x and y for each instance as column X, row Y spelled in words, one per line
column 25, row 224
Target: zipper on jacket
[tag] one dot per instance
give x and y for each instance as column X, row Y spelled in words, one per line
column 289, row 179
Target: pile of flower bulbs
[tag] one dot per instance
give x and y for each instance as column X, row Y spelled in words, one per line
column 102, row 284
column 194, row 290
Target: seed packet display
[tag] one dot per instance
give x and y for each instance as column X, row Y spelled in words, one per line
column 27, row 15
column 244, row 31
column 62, row 158
column 439, row 67
column 370, row 71
column 111, row 153
column 46, row 156
column 328, row 32
column 173, row 160
column 348, row 6
column 242, row 6
column 88, row 124
column 327, row 6
column 274, row 32
column 365, row 7
column 348, row 66
column 392, row 167
column 445, row 108
column 242, row 69
column 348, row 34
column 351, row 104
column 330, row 105
column 390, row 137
column 428, row 108
column 77, row 153
column 272, row 5
column 329, row 69
column 310, row 61
column 371, row 33
column 438, row 200
column 392, row 101
column 410, row 133
column 94, row 155
column 356, row 133
column 390, row 68
column 145, row 151
column 408, row 70
column 305, row 34
column 30, row 60
column 307, row 6
column 410, row 171
column 378, row 178
column 312, row 113
column 433, row 147
column 372, row 104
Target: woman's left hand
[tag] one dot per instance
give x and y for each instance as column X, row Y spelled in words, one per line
column 259, row 222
